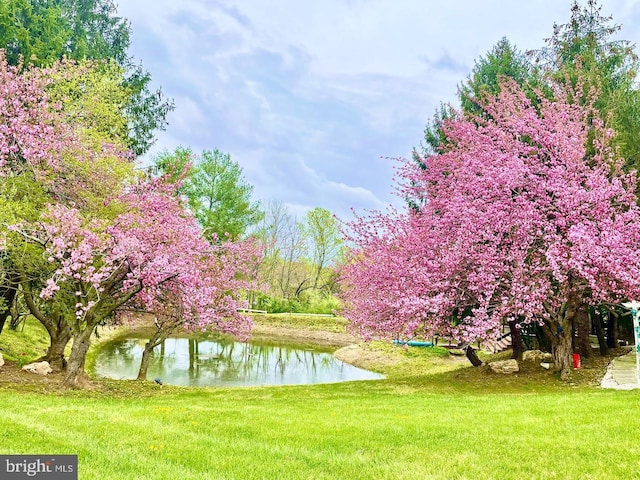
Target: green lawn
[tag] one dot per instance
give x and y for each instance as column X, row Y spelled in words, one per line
column 465, row 423
column 25, row 344
column 300, row 320
column 356, row 430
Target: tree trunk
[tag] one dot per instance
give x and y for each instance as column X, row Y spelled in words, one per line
column 583, row 329
column 59, row 336
column 57, row 327
column 192, row 354
column 146, row 358
column 7, row 297
column 602, row 342
column 562, row 357
column 517, row 344
column 562, row 353
column 158, row 338
column 612, row 330
column 76, row 376
column 58, row 340
column 560, row 330
column 470, row 352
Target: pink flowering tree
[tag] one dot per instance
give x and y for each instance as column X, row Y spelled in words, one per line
column 524, row 216
column 150, row 256
column 32, row 143
column 207, row 301
column 85, row 241
column 31, row 138
column 55, row 142
column 50, row 153
column 198, row 285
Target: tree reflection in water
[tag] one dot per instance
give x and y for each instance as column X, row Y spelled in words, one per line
column 197, row 362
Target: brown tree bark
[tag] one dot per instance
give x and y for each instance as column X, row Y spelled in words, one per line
column 158, row 338
column 58, row 340
column 7, row 297
column 146, row 358
column 560, row 333
column 75, row 376
column 192, row 354
column 165, row 326
column 57, row 327
column 472, row 356
column 562, row 354
column 517, row 345
column 582, row 326
column 602, row 342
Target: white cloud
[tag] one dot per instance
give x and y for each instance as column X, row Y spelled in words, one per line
column 307, row 96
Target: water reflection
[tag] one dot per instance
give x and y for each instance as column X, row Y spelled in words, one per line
column 193, row 362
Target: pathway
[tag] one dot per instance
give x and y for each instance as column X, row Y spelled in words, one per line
column 621, row 373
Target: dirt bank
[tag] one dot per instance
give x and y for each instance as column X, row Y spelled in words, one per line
column 303, row 335
column 361, row 357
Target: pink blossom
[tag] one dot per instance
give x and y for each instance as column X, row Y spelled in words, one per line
column 152, row 256
column 514, row 220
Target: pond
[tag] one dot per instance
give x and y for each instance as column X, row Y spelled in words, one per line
column 196, row 362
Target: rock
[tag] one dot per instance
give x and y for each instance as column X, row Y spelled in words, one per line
column 532, row 356
column 41, row 368
column 546, row 365
column 1, row 360
column 536, row 356
column 505, row 366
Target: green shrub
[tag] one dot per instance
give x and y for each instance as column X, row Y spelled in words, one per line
column 309, row 302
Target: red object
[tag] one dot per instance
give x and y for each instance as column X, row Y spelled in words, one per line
column 576, row 360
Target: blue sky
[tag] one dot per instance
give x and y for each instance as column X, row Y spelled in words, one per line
column 311, row 97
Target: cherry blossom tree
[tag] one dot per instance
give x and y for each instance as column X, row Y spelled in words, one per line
column 151, row 256
column 31, row 137
column 85, row 240
column 224, row 272
column 201, row 290
column 516, row 222
column 52, row 153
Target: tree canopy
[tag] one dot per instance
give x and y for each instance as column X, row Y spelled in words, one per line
column 517, row 223
column 587, row 48
column 216, row 191
column 87, row 237
column 41, row 32
column 504, row 60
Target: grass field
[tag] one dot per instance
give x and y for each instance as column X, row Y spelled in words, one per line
column 313, row 322
column 458, row 424
column 25, row 344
